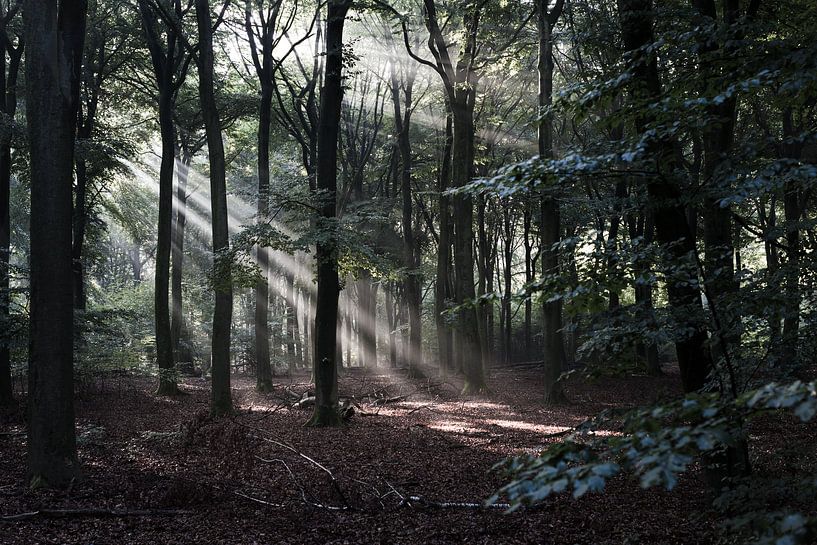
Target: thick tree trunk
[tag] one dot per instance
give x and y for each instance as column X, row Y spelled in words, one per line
column 553, row 344
column 468, row 333
column 54, row 39
column 671, row 227
column 221, row 398
column 326, row 310
column 262, row 346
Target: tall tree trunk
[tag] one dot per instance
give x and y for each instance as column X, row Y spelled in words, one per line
column 442, row 290
column 402, row 122
column 221, row 401
column 54, row 39
column 553, row 348
column 326, row 310
column 262, row 346
column 468, row 334
column 161, row 304
column 671, row 227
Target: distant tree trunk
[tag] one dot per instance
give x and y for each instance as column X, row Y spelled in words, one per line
column 508, row 235
column 391, row 319
column 530, row 267
column 367, row 320
column 80, row 221
column 671, row 227
column 54, row 43
column 221, row 398
column 553, row 348
column 484, row 252
column 181, row 351
column 326, row 311
column 291, row 326
column 8, row 102
column 402, row 123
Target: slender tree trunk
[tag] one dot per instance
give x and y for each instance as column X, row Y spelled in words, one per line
column 529, row 270
column 262, row 345
column 326, row 311
column 442, row 293
column 80, row 220
column 181, row 350
column 221, row 398
column 164, row 340
column 54, row 34
column 793, row 210
column 402, row 120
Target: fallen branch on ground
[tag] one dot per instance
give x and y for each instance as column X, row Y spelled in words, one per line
column 92, row 512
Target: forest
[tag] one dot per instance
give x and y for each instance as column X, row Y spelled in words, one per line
column 408, row 271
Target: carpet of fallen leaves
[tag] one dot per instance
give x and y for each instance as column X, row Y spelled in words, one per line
column 412, row 465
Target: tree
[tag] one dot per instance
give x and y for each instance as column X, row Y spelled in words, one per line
column 551, row 220
column 260, row 25
column 170, row 61
column 221, row 401
column 54, row 37
column 326, row 311
column 671, row 227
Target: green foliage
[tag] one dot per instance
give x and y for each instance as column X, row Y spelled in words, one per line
column 658, row 444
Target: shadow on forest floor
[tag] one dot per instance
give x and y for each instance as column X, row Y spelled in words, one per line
column 262, row 477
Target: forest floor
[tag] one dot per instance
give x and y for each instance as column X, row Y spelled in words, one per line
column 262, row 477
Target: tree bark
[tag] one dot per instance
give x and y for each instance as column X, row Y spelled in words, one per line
column 442, row 290
column 221, row 402
column 54, row 34
column 553, row 344
column 326, row 310
column 402, row 123
column 262, row 345
column 164, row 69
column 178, row 331
column 671, row 227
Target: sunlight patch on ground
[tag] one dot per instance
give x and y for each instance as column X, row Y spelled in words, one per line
column 456, row 426
column 526, row 426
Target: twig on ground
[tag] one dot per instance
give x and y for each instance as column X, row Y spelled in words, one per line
column 91, row 512
column 258, row 500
